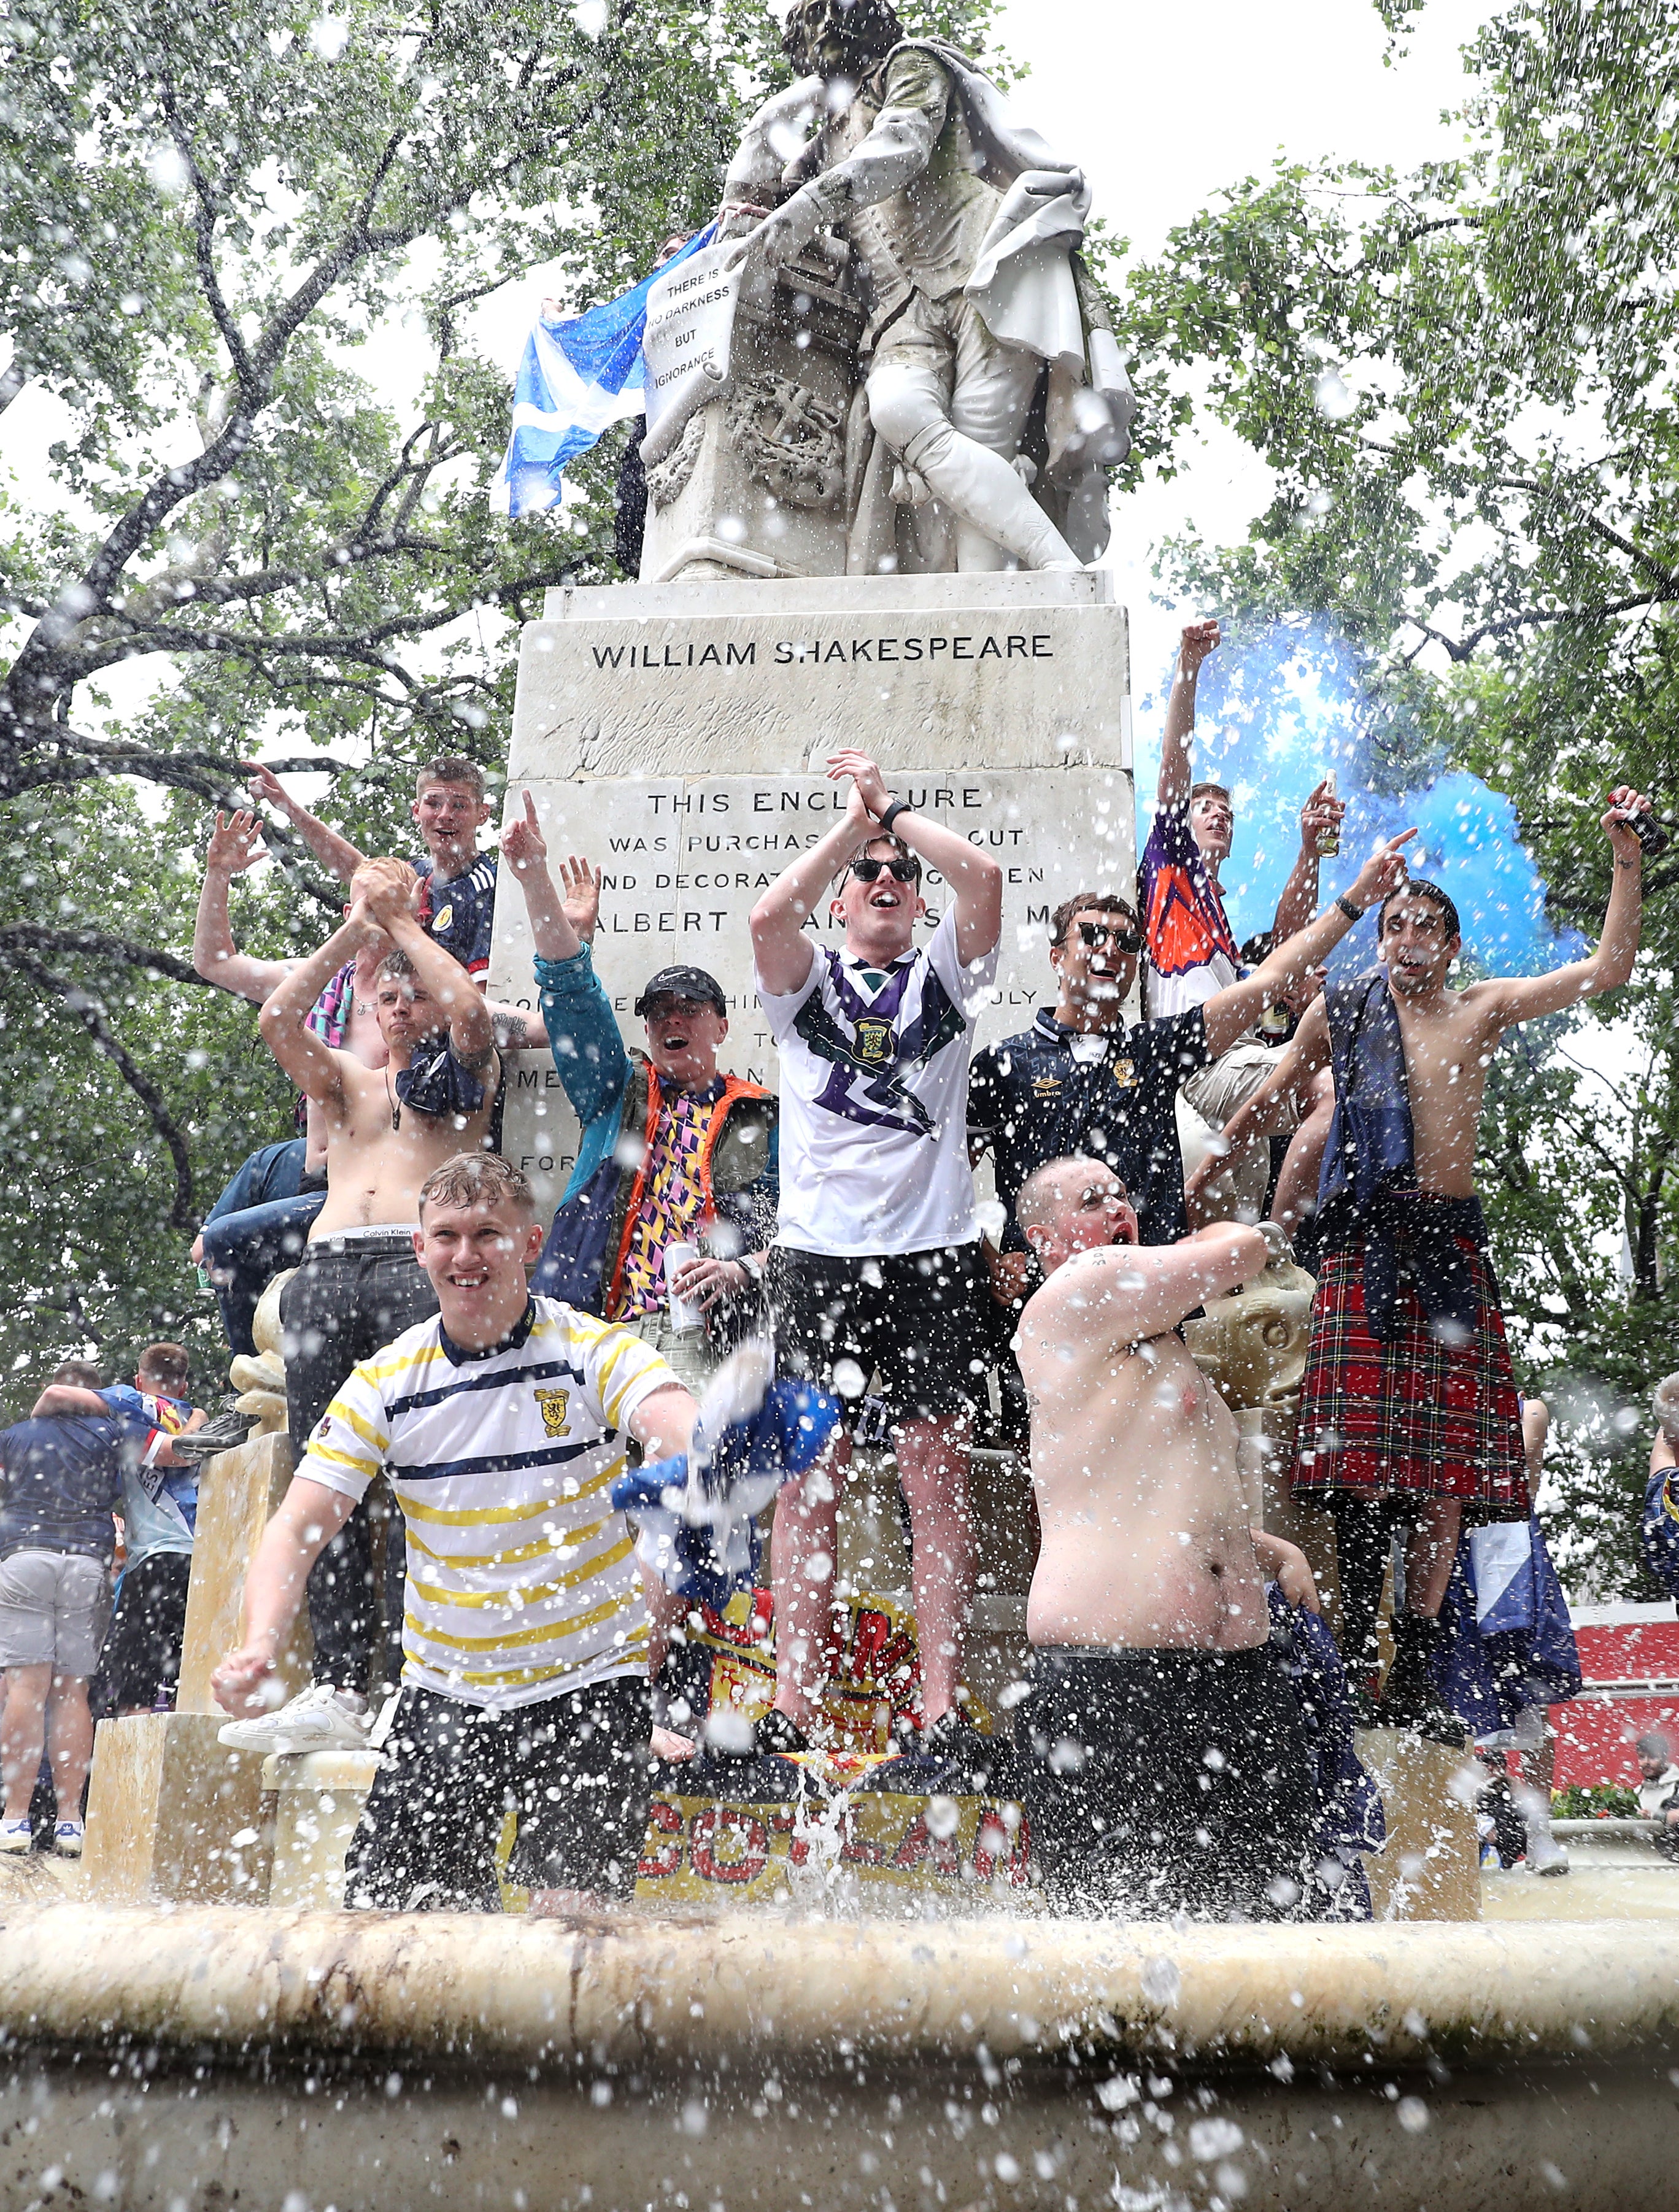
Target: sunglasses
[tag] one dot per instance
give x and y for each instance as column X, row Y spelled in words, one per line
column 866, row 871
column 1100, row 933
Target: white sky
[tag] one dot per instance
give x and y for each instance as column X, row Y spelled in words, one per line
column 1162, row 110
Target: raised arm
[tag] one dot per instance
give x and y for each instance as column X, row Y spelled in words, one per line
column 581, row 1029
column 1307, row 1050
column 525, row 849
column 235, row 844
column 311, row 1064
column 1131, row 1293
column 309, row 1516
column 975, row 878
column 387, row 885
column 331, row 850
column 1198, row 639
column 1299, row 894
column 781, row 951
column 1230, row 1013
column 1524, row 998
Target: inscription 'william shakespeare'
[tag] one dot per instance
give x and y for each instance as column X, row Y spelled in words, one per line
column 878, row 651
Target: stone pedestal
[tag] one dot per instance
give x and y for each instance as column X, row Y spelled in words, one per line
column 316, row 1801
column 1431, row 1868
column 678, row 734
column 754, row 484
column 171, row 1814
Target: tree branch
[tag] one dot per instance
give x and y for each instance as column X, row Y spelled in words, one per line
column 91, row 1015
column 15, row 935
column 204, row 238
column 1463, row 649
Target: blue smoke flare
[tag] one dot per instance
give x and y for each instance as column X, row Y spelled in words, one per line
column 1274, row 715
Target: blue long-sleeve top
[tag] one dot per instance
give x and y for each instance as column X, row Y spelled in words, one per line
column 588, row 1053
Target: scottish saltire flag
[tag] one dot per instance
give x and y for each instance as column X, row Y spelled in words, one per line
column 577, row 378
column 1501, row 1558
column 693, row 1515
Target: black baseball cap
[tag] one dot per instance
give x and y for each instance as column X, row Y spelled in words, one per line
column 683, row 983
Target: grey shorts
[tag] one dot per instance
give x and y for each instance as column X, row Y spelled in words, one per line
column 54, row 1608
column 1225, row 1084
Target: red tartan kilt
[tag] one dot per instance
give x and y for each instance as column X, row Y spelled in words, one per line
column 1412, row 1415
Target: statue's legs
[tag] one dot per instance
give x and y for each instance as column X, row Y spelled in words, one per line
column 953, row 404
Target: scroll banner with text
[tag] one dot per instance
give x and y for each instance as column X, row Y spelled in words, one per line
column 690, row 331
column 685, row 860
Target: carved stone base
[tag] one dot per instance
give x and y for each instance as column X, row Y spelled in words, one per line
column 1431, row 1868
column 172, row 1816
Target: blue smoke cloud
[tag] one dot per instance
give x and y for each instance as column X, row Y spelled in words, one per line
column 1276, row 713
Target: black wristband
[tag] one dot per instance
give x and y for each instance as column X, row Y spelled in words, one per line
column 898, row 806
column 1352, row 913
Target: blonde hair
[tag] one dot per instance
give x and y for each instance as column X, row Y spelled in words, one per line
column 478, row 1179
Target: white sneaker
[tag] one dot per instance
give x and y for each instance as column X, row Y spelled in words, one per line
column 319, row 1718
column 16, row 1835
column 1546, row 1855
column 66, row 1839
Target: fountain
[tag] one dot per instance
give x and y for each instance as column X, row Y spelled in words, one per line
column 846, row 1997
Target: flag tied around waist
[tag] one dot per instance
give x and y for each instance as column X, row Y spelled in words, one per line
column 576, row 378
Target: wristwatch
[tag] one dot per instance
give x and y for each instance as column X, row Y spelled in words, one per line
column 898, row 806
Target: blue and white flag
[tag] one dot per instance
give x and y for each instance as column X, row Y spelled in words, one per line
column 694, row 1514
column 577, row 378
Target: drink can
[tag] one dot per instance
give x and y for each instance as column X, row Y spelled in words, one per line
column 684, row 1313
column 1653, row 835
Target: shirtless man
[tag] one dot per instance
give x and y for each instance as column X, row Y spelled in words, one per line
column 1166, row 1766
column 1408, row 1414
column 359, row 1286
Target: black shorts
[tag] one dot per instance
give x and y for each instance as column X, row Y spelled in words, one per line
column 350, row 1298
column 918, row 1319
column 142, row 1653
column 574, row 1769
column 1167, row 1781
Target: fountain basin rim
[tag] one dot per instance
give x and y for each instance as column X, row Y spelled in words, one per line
column 631, row 1991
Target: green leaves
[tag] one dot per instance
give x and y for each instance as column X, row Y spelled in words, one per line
column 1462, row 381
column 242, row 249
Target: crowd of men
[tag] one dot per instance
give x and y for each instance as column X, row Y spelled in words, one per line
column 492, row 1636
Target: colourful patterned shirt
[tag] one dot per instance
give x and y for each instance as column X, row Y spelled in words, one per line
column 1191, row 951
column 672, row 1194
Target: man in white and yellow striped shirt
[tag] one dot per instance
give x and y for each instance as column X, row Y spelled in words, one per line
column 501, row 1423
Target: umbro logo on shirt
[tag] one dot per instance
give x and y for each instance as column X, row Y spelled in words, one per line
column 553, row 1404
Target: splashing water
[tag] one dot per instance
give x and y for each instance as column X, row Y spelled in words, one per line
column 1274, row 713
